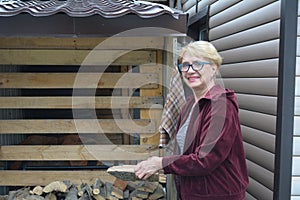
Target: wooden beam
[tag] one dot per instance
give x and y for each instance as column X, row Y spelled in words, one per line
column 78, row 80
column 80, row 102
column 81, row 43
column 75, row 57
column 42, row 178
column 76, row 152
column 64, row 126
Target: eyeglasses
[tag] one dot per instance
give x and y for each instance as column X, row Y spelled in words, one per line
column 196, row 66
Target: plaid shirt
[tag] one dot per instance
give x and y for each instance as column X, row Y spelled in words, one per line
column 175, row 99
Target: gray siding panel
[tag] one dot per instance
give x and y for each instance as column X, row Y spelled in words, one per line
column 257, row 103
column 260, row 174
column 247, row 33
column 297, row 106
column 261, row 139
column 254, row 35
column 259, row 191
column 296, row 186
column 258, row 86
column 260, row 51
column 219, row 6
column 237, row 10
column 257, row 155
column 297, row 125
column 256, row 18
column 260, row 68
column 260, row 121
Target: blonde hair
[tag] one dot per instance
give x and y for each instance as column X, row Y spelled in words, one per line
column 202, row 49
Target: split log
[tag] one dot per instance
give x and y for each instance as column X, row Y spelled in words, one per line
column 72, row 194
column 96, row 186
column 4, row 197
column 19, row 194
column 38, row 190
column 57, row 186
column 158, row 193
column 51, row 196
column 126, row 173
column 147, row 186
column 35, row 197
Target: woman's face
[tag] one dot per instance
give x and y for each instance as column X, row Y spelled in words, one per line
column 202, row 79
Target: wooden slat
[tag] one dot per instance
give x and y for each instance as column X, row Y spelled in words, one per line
column 50, row 126
column 33, row 178
column 76, row 152
column 80, row 102
column 78, row 80
column 81, row 43
column 75, row 57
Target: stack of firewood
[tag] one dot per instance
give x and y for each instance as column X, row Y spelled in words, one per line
column 99, row 190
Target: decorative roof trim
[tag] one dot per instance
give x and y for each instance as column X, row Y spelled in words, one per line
column 85, row 8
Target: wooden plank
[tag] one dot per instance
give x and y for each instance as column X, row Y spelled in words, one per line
column 75, row 57
column 80, row 43
column 78, row 80
column 80, row 102
column 152, row 113
column 42, row 178
column 51, row 126
column 76, row 152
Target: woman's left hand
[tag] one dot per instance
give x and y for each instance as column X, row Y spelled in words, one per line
column 145, row 169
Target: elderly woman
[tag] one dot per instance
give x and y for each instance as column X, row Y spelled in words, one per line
column 209, row 159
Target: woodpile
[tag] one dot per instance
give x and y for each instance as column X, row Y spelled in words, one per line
column 98, row 190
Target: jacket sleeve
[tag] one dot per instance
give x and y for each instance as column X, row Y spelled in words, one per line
column 220, row 128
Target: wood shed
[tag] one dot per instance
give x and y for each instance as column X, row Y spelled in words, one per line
column 82, row 85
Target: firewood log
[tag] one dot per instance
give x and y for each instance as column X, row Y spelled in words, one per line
column 57, row 186
column 126, row 173
column 35, row 197
column 72, row 194
column 96, row 186
column 51, row 196
column 38, row 190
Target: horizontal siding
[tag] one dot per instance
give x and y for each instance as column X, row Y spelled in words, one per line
column 262, row 104
column 296, row 166
column 254, row 35
column 247, row 33
column 257, row 68
column 259, row 191
column 256, row 18
column 190, row 7
column 260, row 139
column 237, row 10
column 297, row 125
column 295, row 186
column 219, row 6
column 295, row 190
column 258, row 86
column 260, row 121
column 258, row 155
column 260, row 51
column 260, row 174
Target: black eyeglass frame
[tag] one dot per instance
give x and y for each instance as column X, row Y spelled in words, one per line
column 179, row 66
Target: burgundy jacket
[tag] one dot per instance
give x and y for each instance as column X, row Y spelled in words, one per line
column 213, row 165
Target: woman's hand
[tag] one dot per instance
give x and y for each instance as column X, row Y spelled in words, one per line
column 145, row 169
